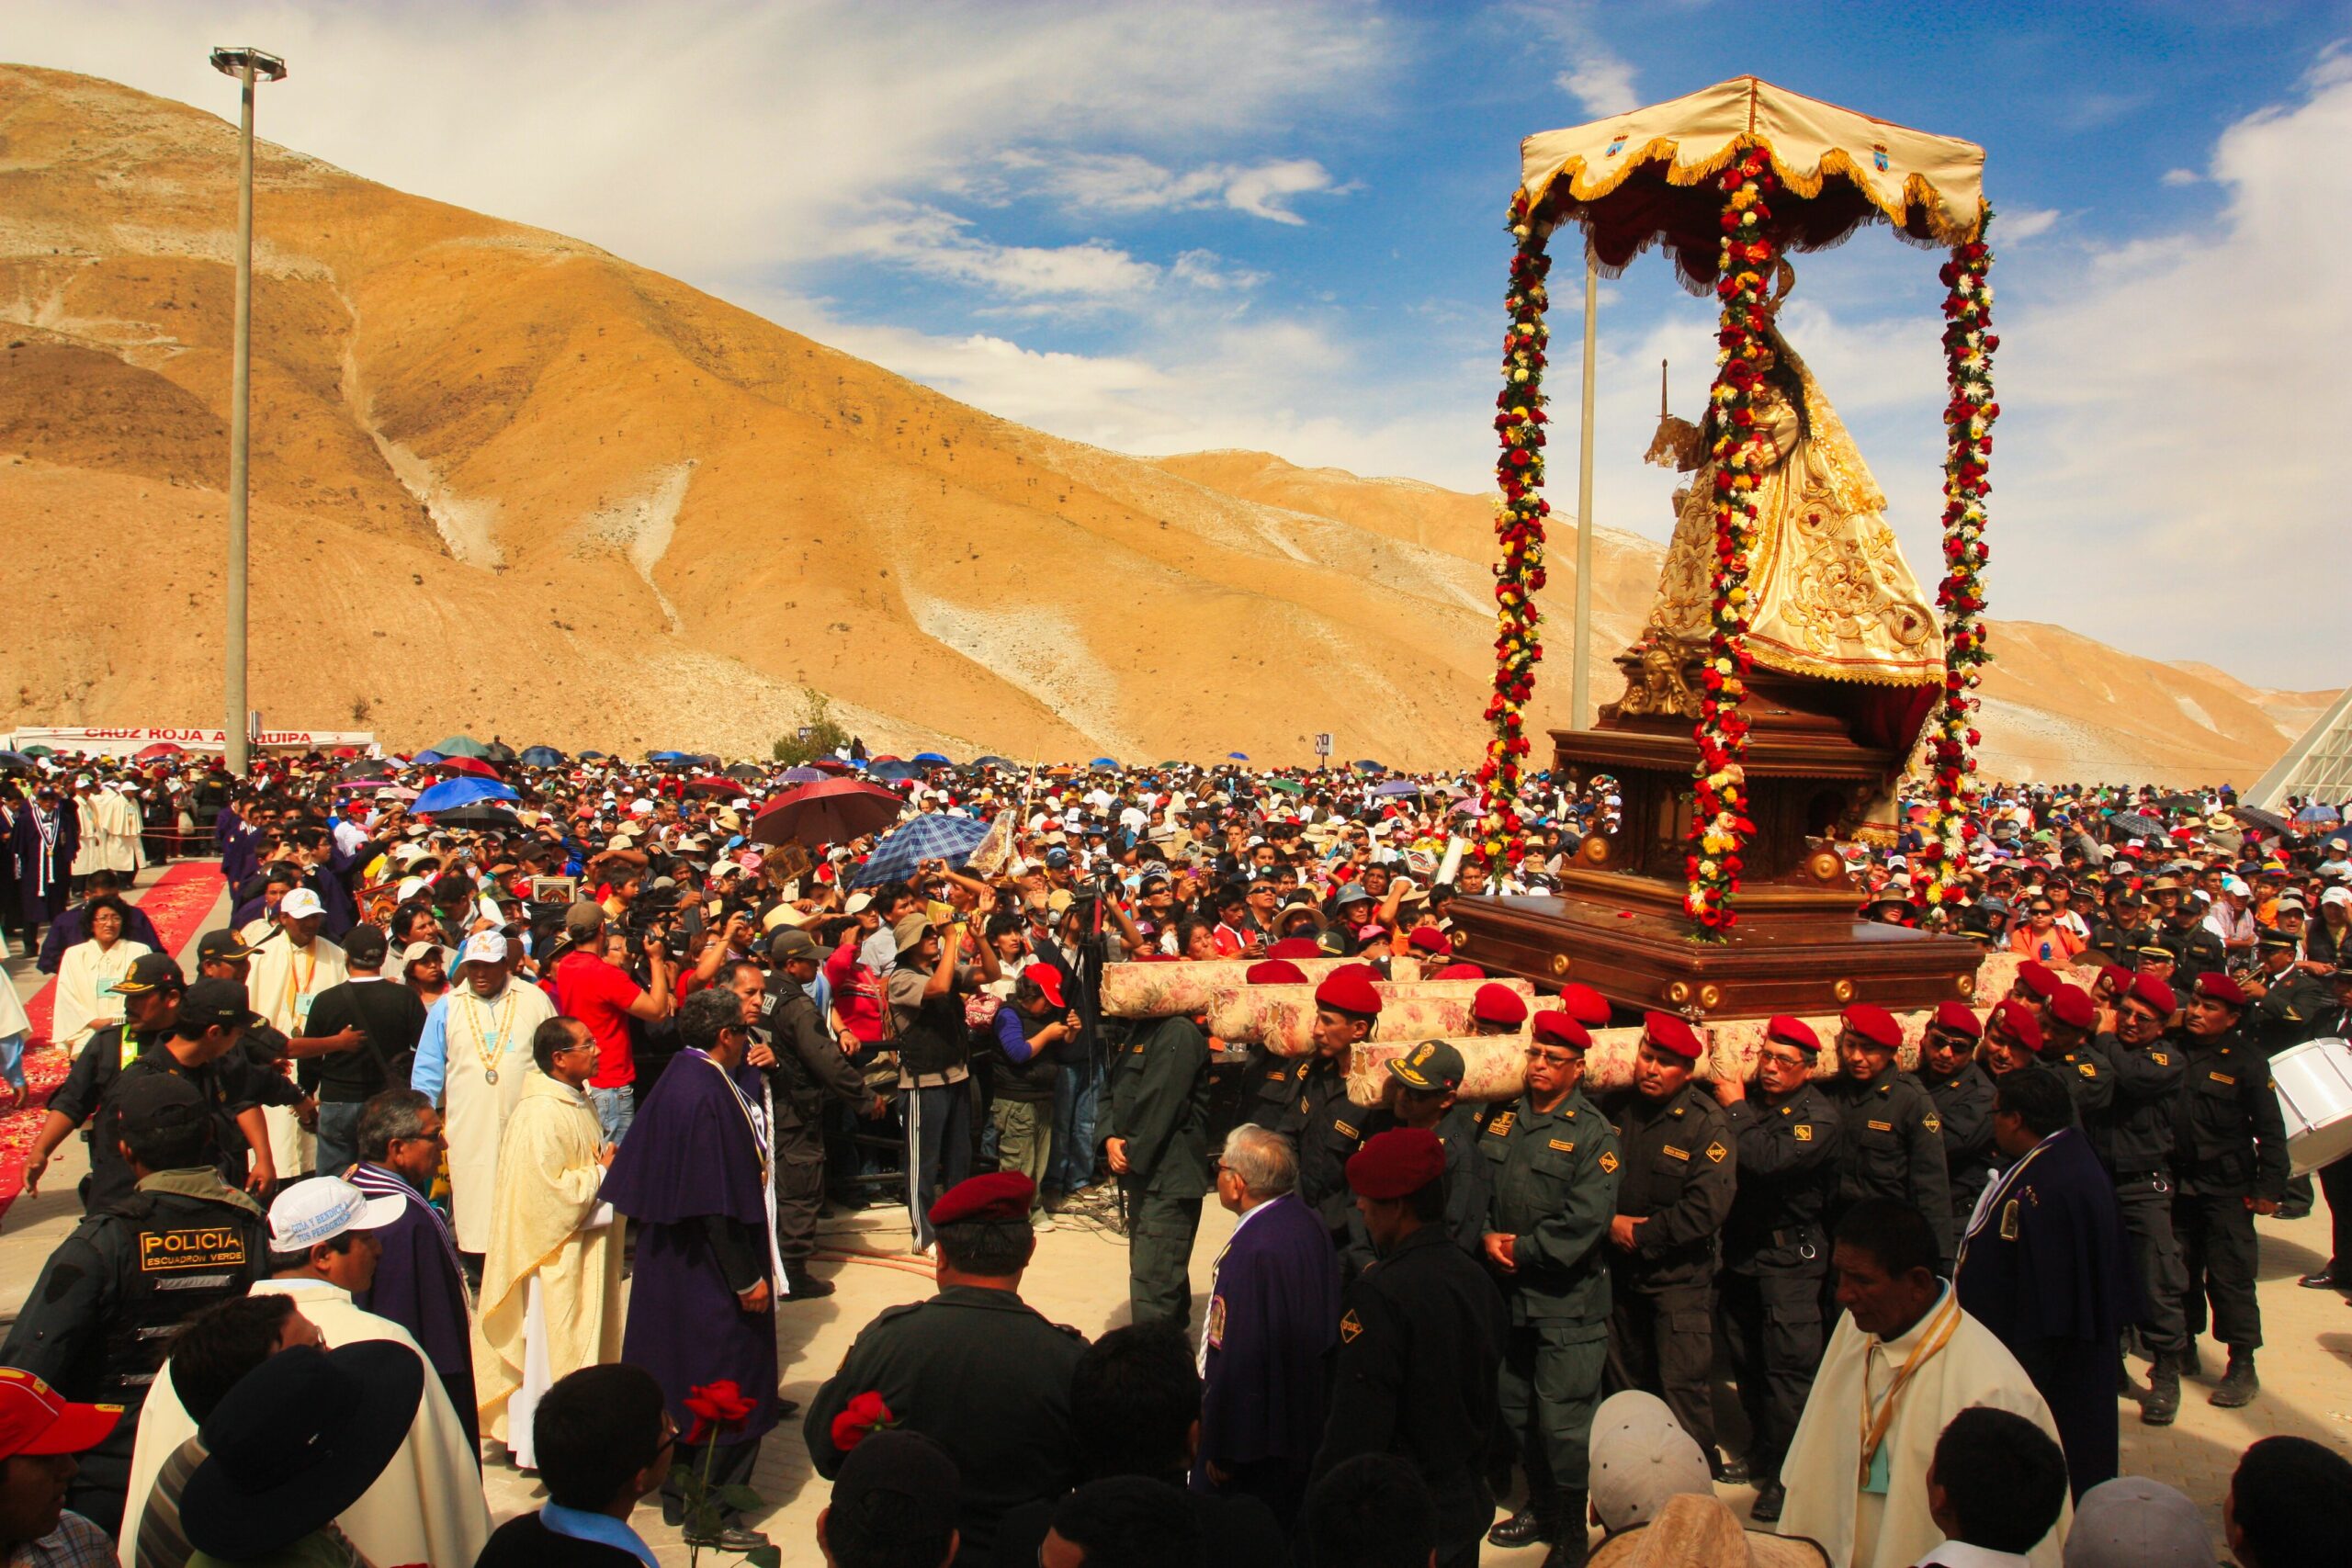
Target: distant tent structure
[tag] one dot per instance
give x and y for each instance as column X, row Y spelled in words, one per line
column 2317, row 767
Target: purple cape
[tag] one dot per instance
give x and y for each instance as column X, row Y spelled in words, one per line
column 688, row 1154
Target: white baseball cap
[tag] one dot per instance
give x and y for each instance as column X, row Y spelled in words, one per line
column 1640, row 1457
column 2133, row 1522
column 321, row 1209
column 300, row 904
column 484, row 947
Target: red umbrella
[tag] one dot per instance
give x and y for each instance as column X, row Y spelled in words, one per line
column 161, row 748
column 832, row 812
column 474, row 765
column 832, row 765
column 711, row 786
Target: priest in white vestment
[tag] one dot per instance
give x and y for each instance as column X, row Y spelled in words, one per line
column 1903, row 1360
column 90, row 827
column 473, row 1060
column 119, row 826
column 427, row 1504
column 551, row 1278
column 288, row 971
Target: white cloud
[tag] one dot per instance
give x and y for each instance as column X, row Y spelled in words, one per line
column 1207, row 269
column 941, row 245
column 2023, row 223
column 1128, row 183
column 2181, row 176
column 1600, row 82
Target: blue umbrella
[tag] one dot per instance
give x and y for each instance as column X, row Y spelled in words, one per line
column 1104, row 762
column 933, row 836
column 932, row 757
column 2316, row 814
column 1369, row 766
column 426, row 758
column 894, row 773
column 667, row 757
column 1398, row 787
column 452, row 793
column 540, row 757
column 595, row 756
column 992, row 761
column 1237, row 756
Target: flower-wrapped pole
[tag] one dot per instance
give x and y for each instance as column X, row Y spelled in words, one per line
column 1520, row 511
column 1720, row 826
column 1969, row 414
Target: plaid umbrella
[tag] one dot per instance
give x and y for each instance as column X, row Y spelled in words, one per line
column 2138, row 825
column 833, row 811
column 933, row 836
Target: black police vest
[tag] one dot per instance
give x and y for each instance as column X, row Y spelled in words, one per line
column 185, row 1254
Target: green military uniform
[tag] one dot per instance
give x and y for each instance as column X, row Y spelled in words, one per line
column 1894, row 1148
column 1306, row 1099
column 2229, row 1144
column 2196, row 952
column 1160, row 1109
column 1551, row 1183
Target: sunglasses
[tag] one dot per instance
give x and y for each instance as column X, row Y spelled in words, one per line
column 1554, row 1059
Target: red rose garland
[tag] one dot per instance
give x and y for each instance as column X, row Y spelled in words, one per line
column 1519, row 511
column 1720, row 826
column 1968, row 418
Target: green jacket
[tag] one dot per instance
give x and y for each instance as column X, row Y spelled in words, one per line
column 1552, row 1179
column 1159, row 1105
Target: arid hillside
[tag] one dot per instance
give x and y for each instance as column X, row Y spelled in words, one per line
column 504, row 481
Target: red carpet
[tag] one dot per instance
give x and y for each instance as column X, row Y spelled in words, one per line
column 178, row 903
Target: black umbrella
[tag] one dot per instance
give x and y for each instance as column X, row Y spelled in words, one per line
column 483, row 815
column 2269, row 821
column 499, row 751
column 2181, row 803
column 368, row 768
column 2132, row 825
column 745, row 772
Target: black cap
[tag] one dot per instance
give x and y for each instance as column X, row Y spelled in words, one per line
column 152, row 1102
column 2272, row 943
column 221, row 947
column 149, row 972
column 214, row 1004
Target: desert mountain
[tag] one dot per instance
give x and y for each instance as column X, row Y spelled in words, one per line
column 505, row 481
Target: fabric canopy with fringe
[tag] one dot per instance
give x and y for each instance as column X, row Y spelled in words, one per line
column 1646, row 177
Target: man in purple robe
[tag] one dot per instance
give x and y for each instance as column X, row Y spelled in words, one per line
column 47, row 835
column 419, row 1283
column 693, row 1174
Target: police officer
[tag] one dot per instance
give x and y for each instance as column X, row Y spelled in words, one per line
column 1776, row 1254
column 805, row 1066
column 1421, row 1092
column 1420, row 1343
column 2135, row 1143
column 2230, row 1164
column 2196, row 950
column 109, row 1297
column 1962, row 1092
column 2069, row 1019
column 1551, row 1174
column 1682, row 1169
column 2289, row 1000
column 1893, row 1145
column 151, row 1000
column 1159, row 1150
column 1307, row 1097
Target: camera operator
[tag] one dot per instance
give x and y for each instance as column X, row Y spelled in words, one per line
column 605, row 998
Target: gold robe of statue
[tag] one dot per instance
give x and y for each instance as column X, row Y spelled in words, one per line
column 1830, row 593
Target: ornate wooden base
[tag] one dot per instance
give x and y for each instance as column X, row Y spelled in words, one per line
column 1641, row 956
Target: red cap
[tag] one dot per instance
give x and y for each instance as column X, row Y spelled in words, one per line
column 1463, row 971
column 1499, row 1004
column 1560, row 1029
column 2220, row 987
column 2038, row 977
column 1957, row 1017
column 2072, row 1006
column 1295, row 947
column 34, row 1420
column 1274, row 972
column 2151, row 991
column 999, row 1195
column 1585, row 1005
column 1429, row 939
column 1672, row 1034
column 1396, row 1164
column 1047, row 978
column 1875, row 1024
column 2018, row 1020
column 1793, row 1031
column 1349, row 989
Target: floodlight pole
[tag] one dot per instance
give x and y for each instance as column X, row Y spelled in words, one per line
column 247, row 65
column 1580, row 666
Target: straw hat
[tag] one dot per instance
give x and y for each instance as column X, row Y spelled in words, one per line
column 1692, row 1531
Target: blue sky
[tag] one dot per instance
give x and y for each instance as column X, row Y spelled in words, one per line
column 1171, row 226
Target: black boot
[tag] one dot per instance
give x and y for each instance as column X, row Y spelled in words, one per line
column 1569, row 1549
column 2162, row 1402
column 1539, row 1521
column 799, row 1285
column 1770, row 1497
column 2238, row 1384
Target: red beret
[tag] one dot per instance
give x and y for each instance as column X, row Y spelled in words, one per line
column 1396, row 1163
column 1957, row 1017
column 1793, row 1031
column 2220, row 987
column 1499, row 1004
column 2151, row 991
column 1295, row 947
column 2072, row 1006
column 2018, row 1020
column 1673, row 1035
column 1349, row 989
column 1560, row 1029
column 999, row 1195
column 1428, row 939
column 1459, row 972
column 1875, row 1024
column 1585, row 1005
column 1274, row 972
column 2038, row 977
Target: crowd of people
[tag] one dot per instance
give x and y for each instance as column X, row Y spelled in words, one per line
column 446, row 1075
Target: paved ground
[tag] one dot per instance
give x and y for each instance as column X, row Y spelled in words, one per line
column 1080, row 1278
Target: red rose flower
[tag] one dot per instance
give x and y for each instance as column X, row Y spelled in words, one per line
column 716, row 1406
column 863, row 1417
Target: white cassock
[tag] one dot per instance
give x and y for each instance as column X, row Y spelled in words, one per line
column 427, row 1504
column 119, row 829
column 551, row 1275
column 85, row 848
column 1827, row 1502
column 86, row 1002
column 280, row 986
column 485, row 1049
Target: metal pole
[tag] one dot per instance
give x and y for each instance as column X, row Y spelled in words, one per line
column 240, row 375
column 1580, row 678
